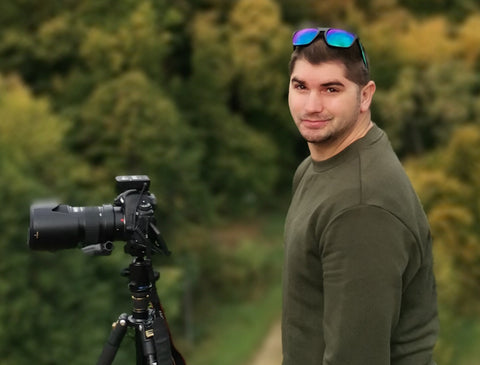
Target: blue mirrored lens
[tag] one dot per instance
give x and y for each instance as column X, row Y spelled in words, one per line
column 339, row 38
column 333, row 37
column 305, row 36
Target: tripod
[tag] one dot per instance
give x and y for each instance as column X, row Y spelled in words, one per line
column 152, row 336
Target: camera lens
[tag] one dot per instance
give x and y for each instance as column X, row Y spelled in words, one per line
column 55, row 227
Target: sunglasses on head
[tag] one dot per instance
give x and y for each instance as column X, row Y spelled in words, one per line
column 338, row 38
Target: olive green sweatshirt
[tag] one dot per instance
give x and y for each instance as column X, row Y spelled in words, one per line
column 358, row 283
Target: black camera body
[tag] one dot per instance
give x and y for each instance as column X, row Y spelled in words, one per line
column 93, row 229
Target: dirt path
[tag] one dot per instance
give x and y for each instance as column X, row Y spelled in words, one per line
column 270, row 352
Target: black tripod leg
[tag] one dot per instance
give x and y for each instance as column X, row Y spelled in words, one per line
column 145, row 346
column 110, row 348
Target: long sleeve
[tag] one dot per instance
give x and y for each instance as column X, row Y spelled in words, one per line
column 365, row 254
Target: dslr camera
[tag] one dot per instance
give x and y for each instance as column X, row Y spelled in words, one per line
column 130, row 218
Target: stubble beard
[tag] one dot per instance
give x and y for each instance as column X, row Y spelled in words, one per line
column 319, row 138
column 327, row 135
column 334, row 131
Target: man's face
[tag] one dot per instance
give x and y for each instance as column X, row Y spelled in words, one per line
column 325, row 105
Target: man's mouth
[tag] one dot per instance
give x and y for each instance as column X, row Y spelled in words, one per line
column 315, row 123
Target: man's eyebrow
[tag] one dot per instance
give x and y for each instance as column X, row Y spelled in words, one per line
column 326, row 84
column 333, row 83
column 295, row 79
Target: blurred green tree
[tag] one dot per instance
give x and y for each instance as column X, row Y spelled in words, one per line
column 425, row 105
column 229, row 140
column 129, row 126
column 448, row 182
column 35, row 163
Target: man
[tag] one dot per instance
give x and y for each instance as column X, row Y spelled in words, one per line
column 358, row 279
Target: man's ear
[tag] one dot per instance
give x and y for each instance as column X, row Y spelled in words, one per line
column 366, row 96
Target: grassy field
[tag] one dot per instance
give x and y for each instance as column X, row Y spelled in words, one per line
column 232, row 331
column 237, row 331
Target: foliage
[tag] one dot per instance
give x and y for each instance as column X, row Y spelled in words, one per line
column 141, row 132
column 193, row 93
column 455, row 10
column 448, row 183
column 36, row 296
column 425, row 105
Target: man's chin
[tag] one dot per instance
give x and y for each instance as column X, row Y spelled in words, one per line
column 317, row 139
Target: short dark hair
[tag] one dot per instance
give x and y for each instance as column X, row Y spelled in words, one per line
column 318, row 52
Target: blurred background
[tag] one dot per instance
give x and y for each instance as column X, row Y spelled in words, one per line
column 192, row 93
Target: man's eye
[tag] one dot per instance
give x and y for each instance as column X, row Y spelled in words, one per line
column 331, row 90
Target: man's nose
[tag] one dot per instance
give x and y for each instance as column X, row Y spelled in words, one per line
column 314, row 102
